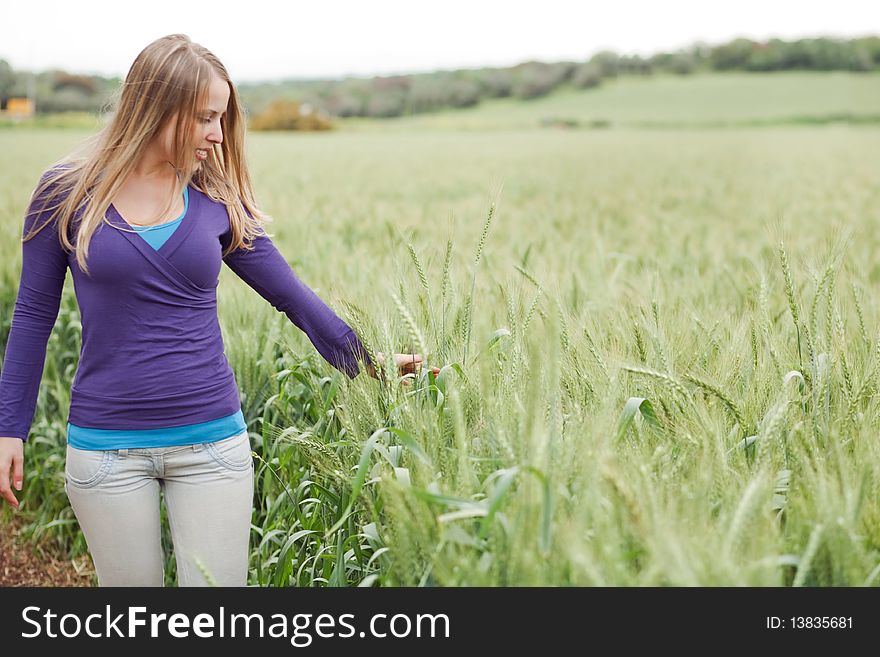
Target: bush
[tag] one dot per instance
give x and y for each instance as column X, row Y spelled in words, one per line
column 559, row 122
column 286, row 114
column 83, row 83
column 496, row 82
column 607, row 62
column 386, row 105
column 426, row 94
column 7, row 79
column 870, row 46
column 635, row 64
column 587, row 76
column 392, row 84
column 682, row 63
column 68, row 99
column 347, row 97
column 732, row 55
column 463, row 93
column 535, row 79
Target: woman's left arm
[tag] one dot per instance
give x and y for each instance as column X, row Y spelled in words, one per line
column 265, row 270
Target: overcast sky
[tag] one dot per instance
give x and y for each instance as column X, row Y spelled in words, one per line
column 262, row 40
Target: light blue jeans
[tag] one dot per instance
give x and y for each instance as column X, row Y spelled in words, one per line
column 208, row 491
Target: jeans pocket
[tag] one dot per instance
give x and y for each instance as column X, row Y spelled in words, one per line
column 86, row 468
column 233, row 453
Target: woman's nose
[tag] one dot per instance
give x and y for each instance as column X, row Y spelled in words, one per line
column 215, row 134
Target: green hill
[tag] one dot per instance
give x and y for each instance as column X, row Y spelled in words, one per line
column 710, row 100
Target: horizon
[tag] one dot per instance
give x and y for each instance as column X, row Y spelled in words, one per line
column 475, row 67
column 269, row 44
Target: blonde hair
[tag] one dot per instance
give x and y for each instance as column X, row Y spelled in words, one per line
column 168, row 79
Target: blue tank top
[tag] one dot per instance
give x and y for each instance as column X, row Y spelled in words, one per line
column 187, row 434
column 156, row 236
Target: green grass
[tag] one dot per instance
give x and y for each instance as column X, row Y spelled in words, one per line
column 61, row 121
column 694, row 269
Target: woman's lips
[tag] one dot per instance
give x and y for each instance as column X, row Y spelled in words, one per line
column 201, row 154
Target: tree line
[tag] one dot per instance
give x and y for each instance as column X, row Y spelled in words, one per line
column 399, row 95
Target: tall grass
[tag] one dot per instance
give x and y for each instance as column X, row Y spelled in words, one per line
column 641, row 383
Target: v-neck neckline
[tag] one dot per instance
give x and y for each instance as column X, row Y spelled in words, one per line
column 179, row 234
column 165, row 224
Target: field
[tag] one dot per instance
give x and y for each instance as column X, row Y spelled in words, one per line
column 661, row 347
column 671, row 101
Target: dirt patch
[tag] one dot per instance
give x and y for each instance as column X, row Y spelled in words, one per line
column 23, row 563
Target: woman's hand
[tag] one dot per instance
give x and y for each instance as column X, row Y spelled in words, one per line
column 406, row 364
column 11, row 455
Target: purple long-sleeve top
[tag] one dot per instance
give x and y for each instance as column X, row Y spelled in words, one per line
column 152, row 352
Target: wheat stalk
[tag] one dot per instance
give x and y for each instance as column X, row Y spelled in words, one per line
column 444, row 292
column 863, row 332
column 668, row 379
column 424, row 281
column 725, row 399
column 484, row 234
column 415, row 335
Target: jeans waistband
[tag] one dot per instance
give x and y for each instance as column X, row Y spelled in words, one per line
column 156, row 451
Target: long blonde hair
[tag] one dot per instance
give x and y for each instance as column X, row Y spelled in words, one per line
column 169, row 77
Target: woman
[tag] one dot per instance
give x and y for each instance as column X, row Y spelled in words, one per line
column 143, row 217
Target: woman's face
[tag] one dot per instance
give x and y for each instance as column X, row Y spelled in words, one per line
column 207, row 131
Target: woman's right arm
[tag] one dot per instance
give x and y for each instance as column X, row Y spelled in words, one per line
column 43, row 270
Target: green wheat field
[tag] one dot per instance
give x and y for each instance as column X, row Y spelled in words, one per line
column 659, row 342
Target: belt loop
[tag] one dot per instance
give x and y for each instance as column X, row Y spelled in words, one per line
column 123, row 452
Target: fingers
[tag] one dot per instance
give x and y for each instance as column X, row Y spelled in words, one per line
column 5, row 491
column 18, row 471
column 411, row 364
column 408, row 363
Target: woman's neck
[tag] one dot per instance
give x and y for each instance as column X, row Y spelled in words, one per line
column 154, row 171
